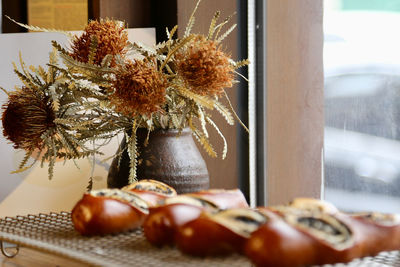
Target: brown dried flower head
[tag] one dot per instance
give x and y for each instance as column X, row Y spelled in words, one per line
column 139, row 88
column 111, row 38
column 26, row 116
column 205, row 68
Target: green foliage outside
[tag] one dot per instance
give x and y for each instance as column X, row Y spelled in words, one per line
column 373, row 5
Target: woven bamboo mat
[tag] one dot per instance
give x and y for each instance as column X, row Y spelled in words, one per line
column 54, row 233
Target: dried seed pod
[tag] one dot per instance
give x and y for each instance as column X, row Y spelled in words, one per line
column 27, row 115
column 220, row 233
column 151, row 190
column 204, row 67
column 139, row 88
column 111, row 39
column 108, row 211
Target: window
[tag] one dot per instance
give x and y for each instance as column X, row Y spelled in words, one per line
column 362, row 104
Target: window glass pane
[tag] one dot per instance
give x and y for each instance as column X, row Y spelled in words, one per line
column 362, row 104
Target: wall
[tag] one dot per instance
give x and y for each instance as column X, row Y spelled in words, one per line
column 294, row 99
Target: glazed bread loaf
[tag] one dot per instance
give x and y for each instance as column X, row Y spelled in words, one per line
column 108, row 211
column 152, row 191
column 161, row 224
column 278, row 244
column 218, row 233
column 313, row 205
column 224, row 199
column 337, row 238
column 300, row 237
column 381, row 231
column 217, row 222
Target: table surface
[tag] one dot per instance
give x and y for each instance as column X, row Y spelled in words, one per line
column 54, row 234
column 29, row 257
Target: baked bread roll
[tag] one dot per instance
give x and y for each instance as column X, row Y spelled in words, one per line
column 161, row 225
column 278, row 244
column 219, row 233
column 337, row 238
column 224, row 199
column 313, row 205
column 108, row 211
column 326, row 238
column 151, row 191
column 381, row 231
column 163, row 221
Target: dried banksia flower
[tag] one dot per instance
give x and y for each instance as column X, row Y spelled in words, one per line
column 26, row 116
column 139, row 89
column 204, row 67
column 111, row 40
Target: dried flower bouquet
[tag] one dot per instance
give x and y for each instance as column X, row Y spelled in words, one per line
column 98, row 91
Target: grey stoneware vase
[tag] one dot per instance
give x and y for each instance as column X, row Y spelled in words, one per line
column 170, row 157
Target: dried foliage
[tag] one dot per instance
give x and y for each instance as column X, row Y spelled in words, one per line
column 43, row 115
column 97, row 92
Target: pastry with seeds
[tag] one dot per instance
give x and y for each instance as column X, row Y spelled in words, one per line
column 108, row 211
